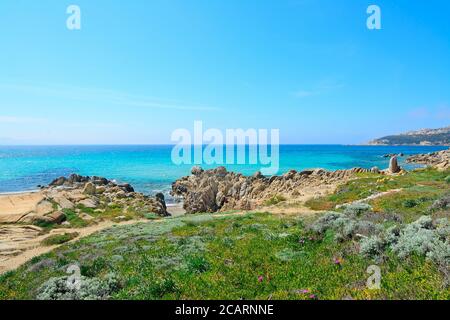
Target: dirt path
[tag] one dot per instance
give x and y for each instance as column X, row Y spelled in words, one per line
column 372, row 197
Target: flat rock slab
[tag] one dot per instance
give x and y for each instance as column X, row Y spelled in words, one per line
column 15, row 206
column 16, row 239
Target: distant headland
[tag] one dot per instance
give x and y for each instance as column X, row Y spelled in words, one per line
column 424, row 137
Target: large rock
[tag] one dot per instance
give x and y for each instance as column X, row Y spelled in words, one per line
column 15, row 207
column 161, row 199
column 393, row 165
column 58, row 182
column 196, row 170
column 63, row 202
column 54, row 217
column 89, row 189
column 258, row 175
column 99, row 181
column 89, row 203
column 375, row 170
column 44, row 207
column 76, row 178
column 126, row 187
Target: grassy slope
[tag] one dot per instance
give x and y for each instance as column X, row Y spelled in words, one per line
column 251, row 256
column 419, row 189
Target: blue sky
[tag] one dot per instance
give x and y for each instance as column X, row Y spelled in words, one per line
column 139, row 69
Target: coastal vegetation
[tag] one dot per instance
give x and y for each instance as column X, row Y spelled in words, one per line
column 398, row 223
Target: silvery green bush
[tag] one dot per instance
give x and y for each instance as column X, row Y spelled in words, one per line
column 443, row 228
column 390, row 235
column 441, row 203
column 345, row 227
column 357, row 209
column 372, row 247
column 326, row 221
column 423, row 238
column 90, row 289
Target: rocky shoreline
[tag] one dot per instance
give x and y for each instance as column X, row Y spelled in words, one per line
column 219, row 190
column 439, row 160
column 73, row 193
column 203, row 191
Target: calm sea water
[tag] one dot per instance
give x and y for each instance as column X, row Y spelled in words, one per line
column 150, row 169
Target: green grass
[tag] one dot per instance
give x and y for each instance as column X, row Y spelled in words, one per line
column 74, row 220
column 252, row 256
column 422, row 186
column 276, row 199
column 59, row 238
column 151, row 216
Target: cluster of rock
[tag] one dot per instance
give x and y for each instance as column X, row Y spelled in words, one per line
column 439, row 160
column 218, row 190
column 390, row 155
column 90, row 192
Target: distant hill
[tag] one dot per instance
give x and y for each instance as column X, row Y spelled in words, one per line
column 421, row 137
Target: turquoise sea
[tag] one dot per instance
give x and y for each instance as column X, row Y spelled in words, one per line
column 150, row 169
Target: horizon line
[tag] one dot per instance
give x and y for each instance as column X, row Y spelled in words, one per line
column 193, row 145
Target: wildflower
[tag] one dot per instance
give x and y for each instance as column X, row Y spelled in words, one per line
column 313, row 297
column 260, row 279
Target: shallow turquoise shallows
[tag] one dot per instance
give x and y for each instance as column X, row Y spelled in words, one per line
column 150, row 168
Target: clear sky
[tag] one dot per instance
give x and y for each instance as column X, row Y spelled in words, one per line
column 139, row 69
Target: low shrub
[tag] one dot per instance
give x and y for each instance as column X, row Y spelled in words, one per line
column 441, row 203
column 443, row 228
column 326, row 221
column 198, row 264
column 372, row 247
column 90, row 288
column 390, row 235
column 357, row 209
column 345, row 227
column 160, row 288
column 59, row 238
column 421, row 238
column 410, row 203
column 274, row 200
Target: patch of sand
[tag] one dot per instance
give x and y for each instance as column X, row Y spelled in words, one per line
column 296, row 205
column 176, row 210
